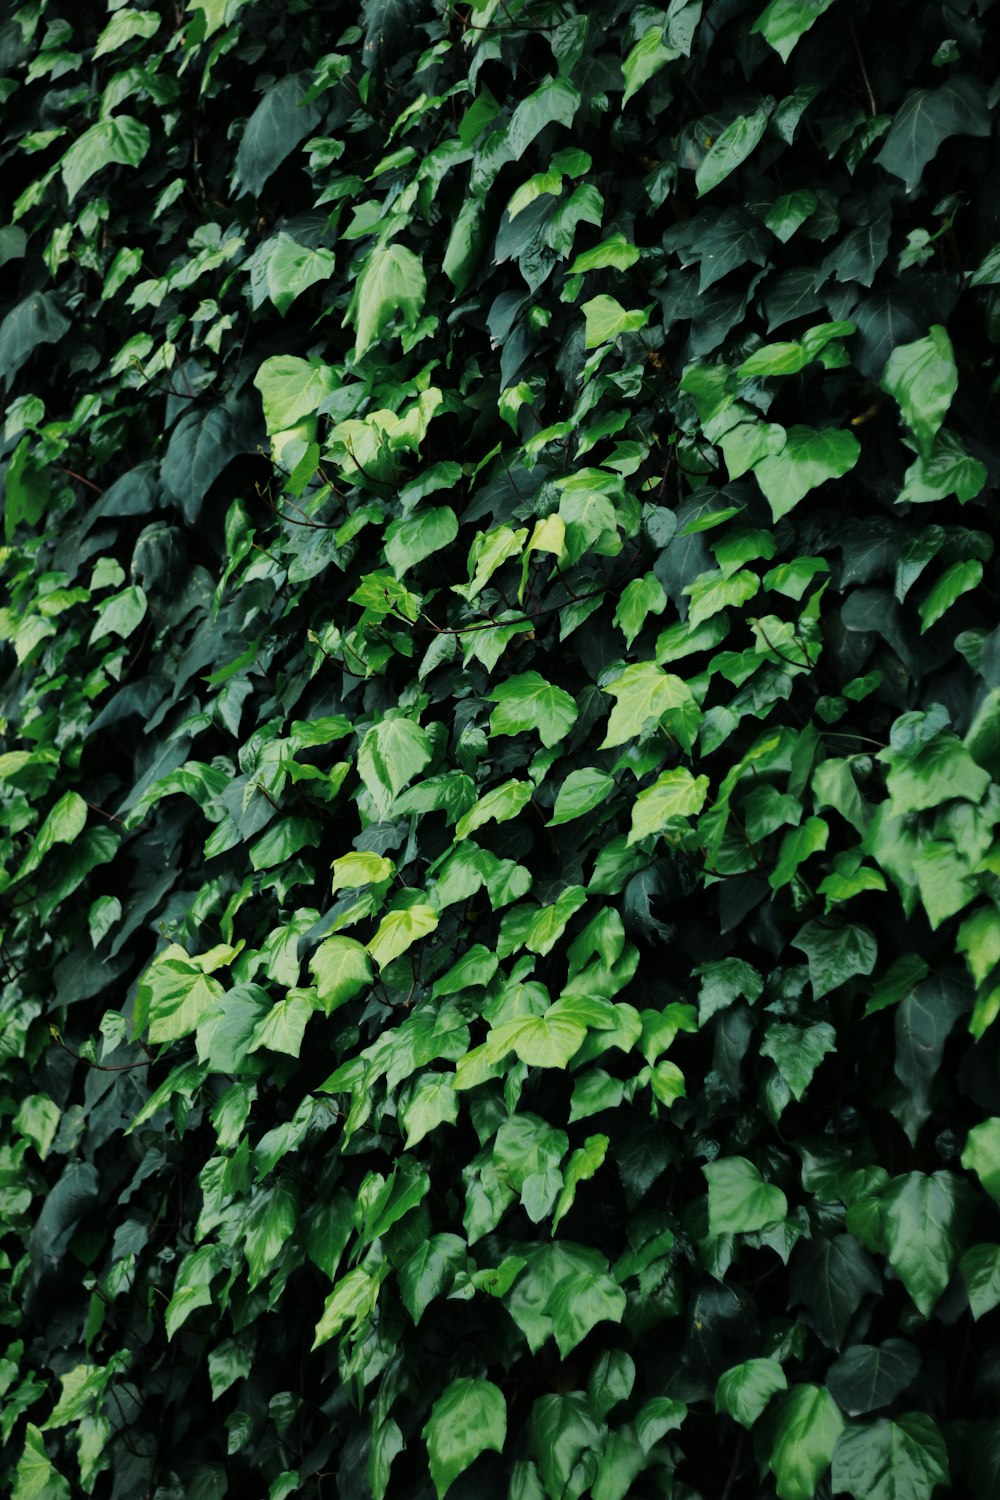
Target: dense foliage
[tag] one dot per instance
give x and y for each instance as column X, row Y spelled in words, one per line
column 501, row 750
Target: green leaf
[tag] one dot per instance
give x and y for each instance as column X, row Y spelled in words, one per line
column 555, row 102
column 499, row 805
column 674, row 794
column 789, row 212
column 953, row 583
column 353, row 1296
column 267, row 1228
column 35, row 321
column 282, row 841
column 120, row 140
column 836, row 953
column 929, row 116
column 547, row 1041
column 581, row 1167
column 528, row 702
column 391, row 283
column 360, row 868
column 580, row 793
column 809, row 458
column 468, row 1418
column 642, row 692
column 980, row 1269
column 63, row 825
column 411, row 539
column 391, row 754
column 747, row 443
column 807, row 1426
column 798, row 1051
column 979, row 940
column 283, row 1028
column 830, row 1277
column 922, row 379
column 615, row 252
column 865, row 1377
column 431, row 1102
column 291, row 389
column 882, row 1460
column 796, row 848
column 120, row 615
column 739, row 1201
column 924, row 1223
column 35, row 1477
column 340, row 968
column 281, row 120
column 744, row 1391
column 399, row 930
column 784, row 21
column 292, row 269
column 582, row 1299
column 982, row 1155
column 606, row 319
column 732, row 147
column 946, row 470
column 642, row 597
column 122, row 28
column 650, row 53
column 179, row 994
column 712, row 592
column 430, row 1271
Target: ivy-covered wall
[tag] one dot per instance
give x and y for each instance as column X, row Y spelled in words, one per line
column 501, row 750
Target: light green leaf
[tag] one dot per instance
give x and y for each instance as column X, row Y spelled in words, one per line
column 606, row 319
column 747, row 443
column 469, row 1417
column 739, row 1200
column 392, row 282
column 123, row 26
column 391, row 753
column 502, row 803
column 947, row 470
column 63, row 825
column 283, row 1028
column 360, row 868
column 536, row 187
column 744, row 1391
column 35, row 1478
column 982, row 1155
column 784, row 21
column 674, row 794
column 291, row 389
column 580, row 793
column 712, row 592
column 808, row 459
column 353, row 1296
column 431, row 1102
column 120, row 140
column 922, row 379
column 645, row 59
column 38, row 1119
column 953, row 583
column 639, row 598
column 340, row 968
column 292, row 268
column 119, row 615
column 732, row 147
column 641, row 692
column 528, row 702
column 581, row 1167
column 615, row 252
column 807, row 1427
column 399, row 930
column 547, row 1041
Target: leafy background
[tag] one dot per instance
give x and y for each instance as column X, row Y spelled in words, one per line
column 501, row 741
